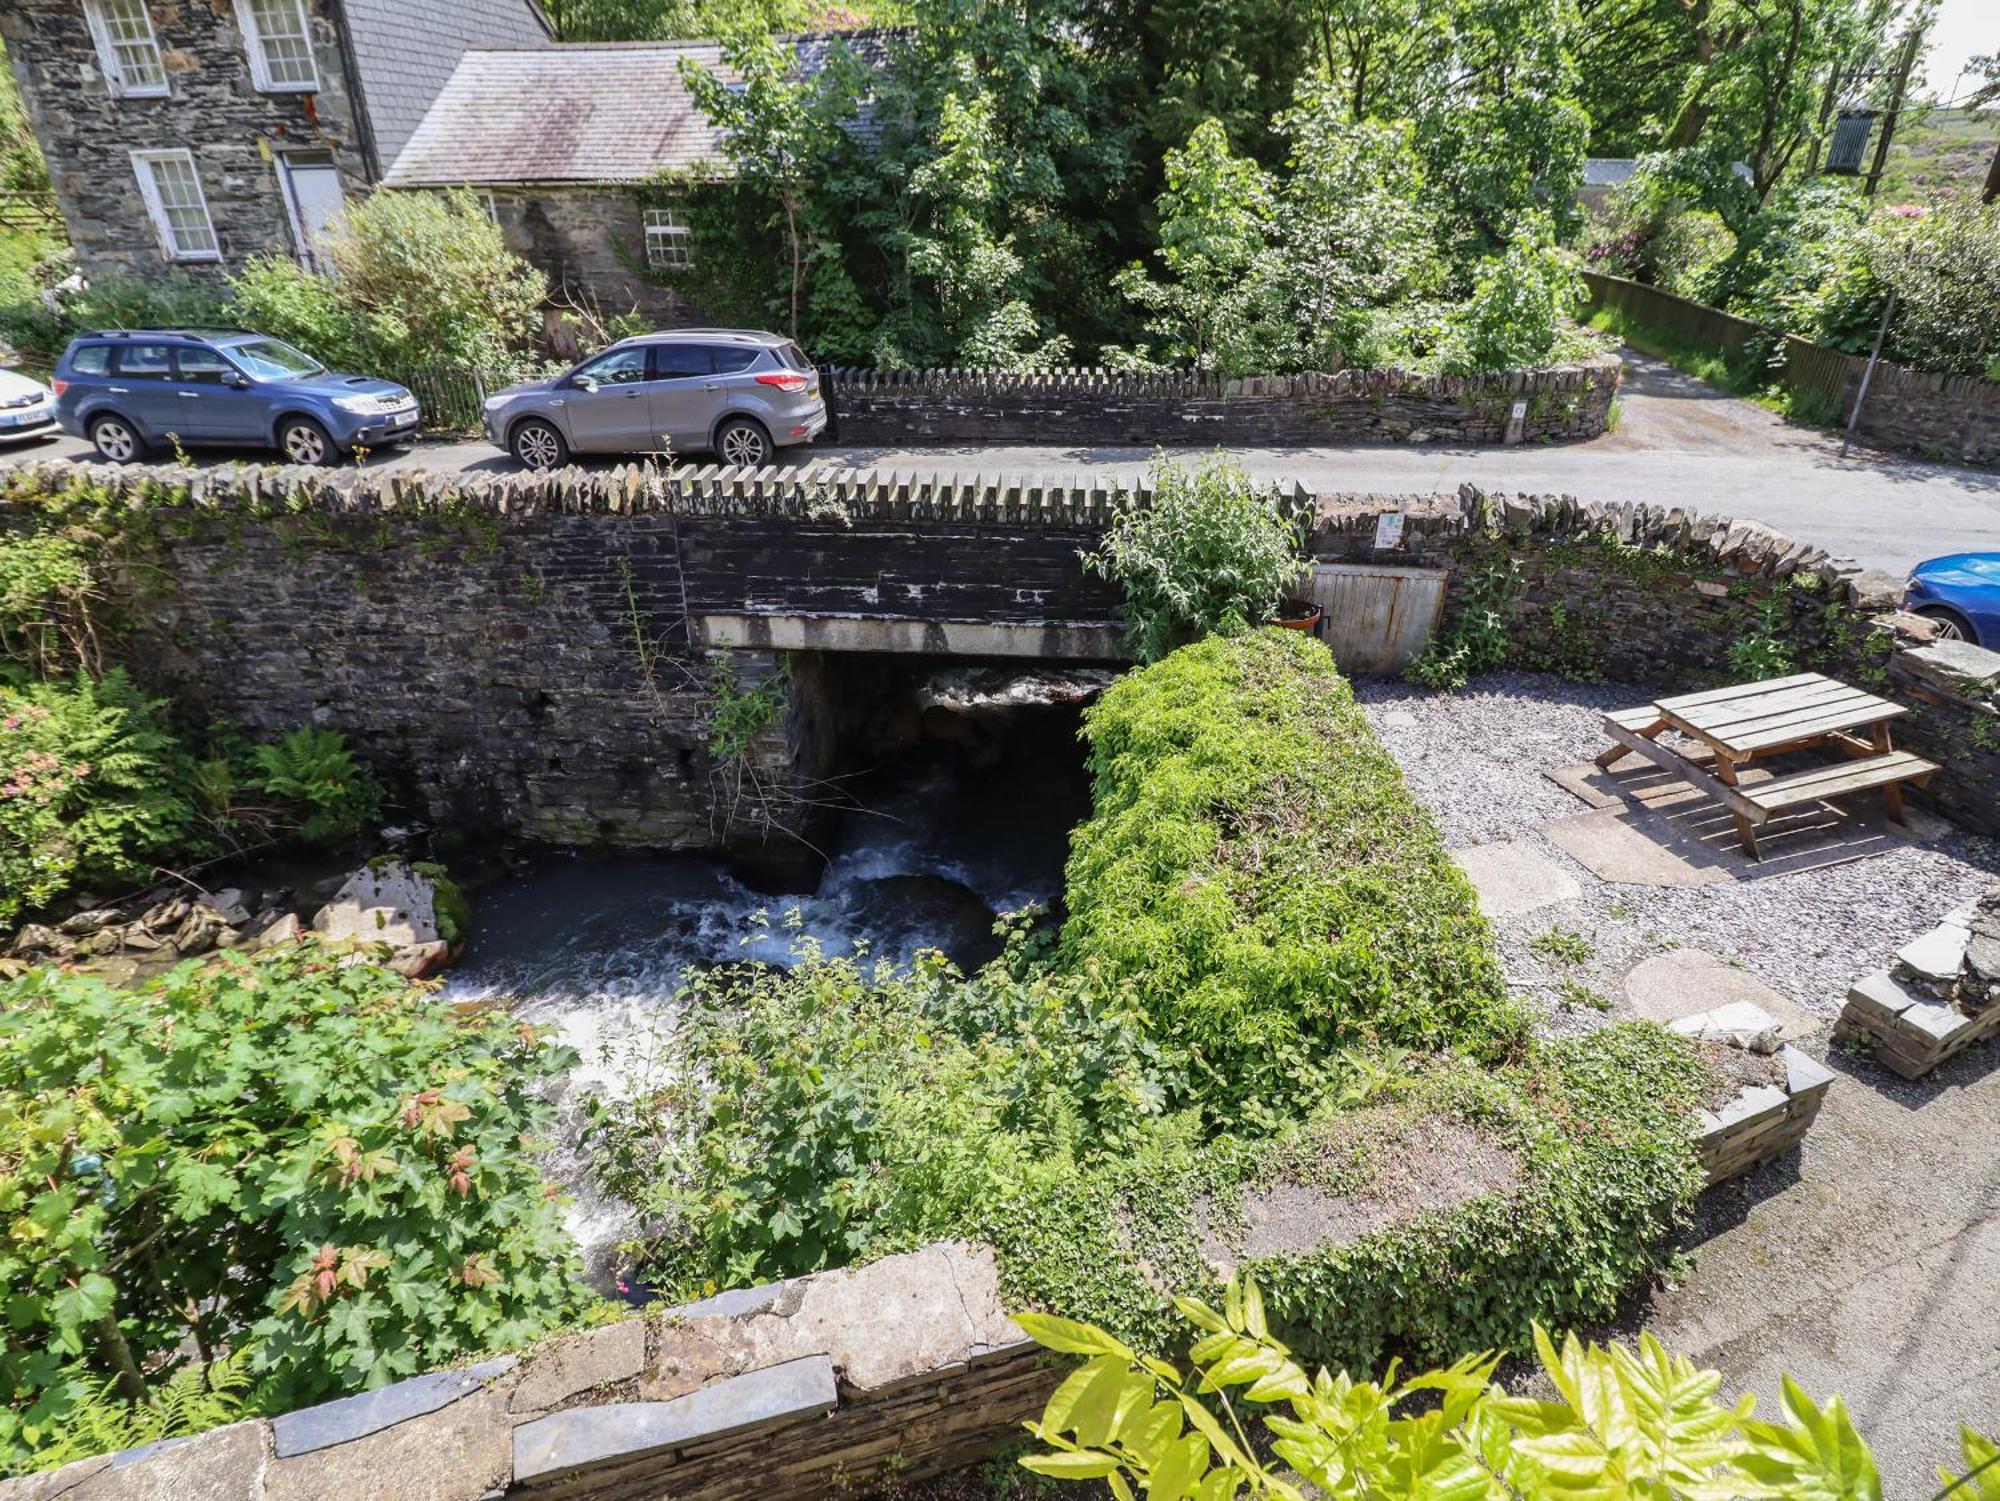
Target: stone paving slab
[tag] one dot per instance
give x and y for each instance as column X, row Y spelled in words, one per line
column 1687, row 981
column 1513, row 877
column 1613, row 847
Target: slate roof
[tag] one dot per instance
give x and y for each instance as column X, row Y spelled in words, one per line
column 581, row 112
column 407, row 49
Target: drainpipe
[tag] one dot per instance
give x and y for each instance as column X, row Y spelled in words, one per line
column 350, row 62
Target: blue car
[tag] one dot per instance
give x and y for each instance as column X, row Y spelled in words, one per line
column 1962, row 594
column 132, row 391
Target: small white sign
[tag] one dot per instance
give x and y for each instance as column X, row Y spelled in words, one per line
column 1520, row 411
column 1389, row 531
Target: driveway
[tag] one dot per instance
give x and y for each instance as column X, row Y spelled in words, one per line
column 1679, row 442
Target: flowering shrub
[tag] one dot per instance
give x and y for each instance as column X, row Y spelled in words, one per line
column 320, row 1163
column 88, row 791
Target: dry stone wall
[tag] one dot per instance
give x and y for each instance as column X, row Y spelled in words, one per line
column 518, row 652
column 815, row 1387
column 1106, row 407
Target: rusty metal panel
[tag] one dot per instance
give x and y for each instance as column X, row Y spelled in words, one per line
column 1377, row 618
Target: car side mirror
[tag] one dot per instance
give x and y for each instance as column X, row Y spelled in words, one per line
column 237, row 380
column 584, row 383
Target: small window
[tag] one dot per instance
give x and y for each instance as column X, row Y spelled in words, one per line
column 127, row 50
column 666, row 240
column 620, row 367
column 92, row 359
column 795, row 357
column 172, row 190
column 146, row 361
column 203, row 367
column 278, row 38
column 681, row 361
column 732, row 358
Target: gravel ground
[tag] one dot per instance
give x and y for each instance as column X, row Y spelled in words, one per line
column 1478, row 759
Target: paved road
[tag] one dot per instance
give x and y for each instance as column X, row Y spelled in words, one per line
column 1679, row 442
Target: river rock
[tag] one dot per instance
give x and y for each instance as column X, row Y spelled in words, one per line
column 388, row 904
column 167, row 915
column 37, row 938
column 84, row 924
column 287, row 929
column 197, row 934
column 230, row 906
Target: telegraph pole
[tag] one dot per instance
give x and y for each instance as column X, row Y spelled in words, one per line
column 1904, row 64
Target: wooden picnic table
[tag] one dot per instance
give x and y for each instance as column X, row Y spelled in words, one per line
column 1751, row 721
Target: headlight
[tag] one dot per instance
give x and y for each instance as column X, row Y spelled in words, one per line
column 494, row 403
column 358, row 403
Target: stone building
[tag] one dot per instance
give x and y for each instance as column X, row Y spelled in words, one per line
column 567, row 146
column 193, row 134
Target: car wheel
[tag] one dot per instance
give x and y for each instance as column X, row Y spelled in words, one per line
column 1951, row 626
column 743, row 443
column 538, row 445
column 116, row 440
column 304, row 441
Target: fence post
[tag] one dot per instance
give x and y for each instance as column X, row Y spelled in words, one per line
column 1868, row 372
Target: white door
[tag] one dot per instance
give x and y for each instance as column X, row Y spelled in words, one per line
column 312, row 194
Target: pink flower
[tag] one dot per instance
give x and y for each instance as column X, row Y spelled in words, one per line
column 1906, row 210
column 81, row 769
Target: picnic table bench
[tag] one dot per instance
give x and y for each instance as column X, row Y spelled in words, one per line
column 1752, row 721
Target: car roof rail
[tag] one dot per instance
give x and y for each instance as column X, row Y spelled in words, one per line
column 162, row 333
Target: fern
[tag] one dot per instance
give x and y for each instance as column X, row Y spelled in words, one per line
column 314, row 770
column 193, row 1400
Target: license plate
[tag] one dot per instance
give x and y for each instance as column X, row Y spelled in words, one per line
column 24, row 419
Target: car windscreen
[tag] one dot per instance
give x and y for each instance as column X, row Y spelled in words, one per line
column 792, row 355
column 274, row 359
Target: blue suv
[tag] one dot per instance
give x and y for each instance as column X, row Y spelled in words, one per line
column 132, row 390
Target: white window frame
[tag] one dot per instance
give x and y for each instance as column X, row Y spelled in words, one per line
column 260, row 62
column 489, row 204
column 115, row 79
column 666, row 240
column 149, row 190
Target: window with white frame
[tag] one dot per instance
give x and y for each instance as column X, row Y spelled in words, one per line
column 172, row 190
column 278, row 38
column 127, row 50
column 666, row 240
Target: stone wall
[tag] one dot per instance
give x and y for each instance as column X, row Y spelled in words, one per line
column 515, row 655
column 816, row 1387
column 1108, row 408
column 532, row 654
column 591, row 243
column 234, row 131
column 1652, row 595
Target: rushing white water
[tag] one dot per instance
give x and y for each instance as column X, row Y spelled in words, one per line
column 599, row 949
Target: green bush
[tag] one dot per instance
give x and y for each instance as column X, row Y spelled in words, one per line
column 313, row 770
column 1210, row 555
column 1255, row 867
column 1689, row 252
column 417, row 279
column 287, row 1153
column 90, row 791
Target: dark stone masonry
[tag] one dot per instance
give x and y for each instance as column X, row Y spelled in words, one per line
column 1103, row 407
column 537, row 655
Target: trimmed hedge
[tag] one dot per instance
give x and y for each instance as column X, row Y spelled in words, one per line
column 1597, row 1125
column 1256, row 868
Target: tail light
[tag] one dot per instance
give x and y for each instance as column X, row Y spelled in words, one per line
column 786, row 380
column 61, row 386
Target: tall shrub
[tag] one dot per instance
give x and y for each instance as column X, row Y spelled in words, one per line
column 418, row 278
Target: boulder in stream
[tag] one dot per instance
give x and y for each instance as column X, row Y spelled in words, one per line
column 417, row 915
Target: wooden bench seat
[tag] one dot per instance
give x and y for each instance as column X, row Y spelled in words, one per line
column 1859, row 775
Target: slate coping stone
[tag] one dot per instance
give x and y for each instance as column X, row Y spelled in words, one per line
column 1803, row 1074
column 1882, row 994
column 223, row 1464
column 585, row 1436
column 1953, row 665
column 1756, row 1100
column 1939, row 1022
column 349, row 1418
column 733, row 1304
column 571, row 1364
column 1937, row 955
column 1741, row 1024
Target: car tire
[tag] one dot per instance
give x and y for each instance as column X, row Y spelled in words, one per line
column 116, row 439
column 742, row 443
column 303, row 441
column 538, row 445
column 1951, row 625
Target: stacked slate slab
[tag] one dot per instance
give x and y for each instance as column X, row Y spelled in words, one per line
column 818, row 1386
column 1940, row 997
column 1764, row 1120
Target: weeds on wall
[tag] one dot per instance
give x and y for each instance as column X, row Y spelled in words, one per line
column 1477, row 636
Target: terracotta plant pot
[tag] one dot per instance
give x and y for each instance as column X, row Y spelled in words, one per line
column 1298, row 615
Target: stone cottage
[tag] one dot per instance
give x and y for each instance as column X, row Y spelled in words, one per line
column 194, row 134
column 566, row 146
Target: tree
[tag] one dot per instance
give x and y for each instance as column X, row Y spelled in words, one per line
column 1214, row 216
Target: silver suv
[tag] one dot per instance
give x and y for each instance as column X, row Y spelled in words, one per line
column 732, row 392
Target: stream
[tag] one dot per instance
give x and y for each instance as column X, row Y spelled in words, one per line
column 940, row 837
